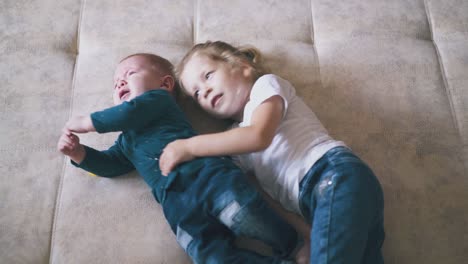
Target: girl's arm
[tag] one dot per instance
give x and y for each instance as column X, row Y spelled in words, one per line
column 256, row 137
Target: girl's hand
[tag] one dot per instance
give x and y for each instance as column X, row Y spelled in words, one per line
column 173, row 154
column 80, row 124
column 69, row 144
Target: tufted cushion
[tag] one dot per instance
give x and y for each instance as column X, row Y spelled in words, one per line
column 389, row 78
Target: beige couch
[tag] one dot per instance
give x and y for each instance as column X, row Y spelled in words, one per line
column 389, row 77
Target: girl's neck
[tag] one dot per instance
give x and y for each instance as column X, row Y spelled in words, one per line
column 248, row 73
column 239, row 116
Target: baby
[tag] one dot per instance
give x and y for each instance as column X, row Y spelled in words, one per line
column 207, row 201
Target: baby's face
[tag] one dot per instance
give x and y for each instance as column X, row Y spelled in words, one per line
column 133, row 77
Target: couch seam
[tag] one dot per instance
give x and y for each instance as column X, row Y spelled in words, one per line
column 314, row 45
column 195, row 26
column 443, row 71
column 62, row 174
column 312, row 24
column 39, row 148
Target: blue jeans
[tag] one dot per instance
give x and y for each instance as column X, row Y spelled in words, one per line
column 209, row 209
column 343, row 201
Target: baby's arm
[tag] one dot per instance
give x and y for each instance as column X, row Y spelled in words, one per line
column 107, row 163
column 80, row 124
column 256, row 137
column 69, row 145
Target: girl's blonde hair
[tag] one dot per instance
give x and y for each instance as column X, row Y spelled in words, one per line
column 222, row 51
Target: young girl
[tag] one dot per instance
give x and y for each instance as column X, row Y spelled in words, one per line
column 283, row 143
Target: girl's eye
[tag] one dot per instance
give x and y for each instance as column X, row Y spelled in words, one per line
column 208, row 75
column 131, row 72
column 197, row 92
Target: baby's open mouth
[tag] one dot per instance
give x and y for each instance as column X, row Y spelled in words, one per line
column 215, row 100
column 123, row 93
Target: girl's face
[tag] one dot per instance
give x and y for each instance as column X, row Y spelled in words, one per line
column 219, row 88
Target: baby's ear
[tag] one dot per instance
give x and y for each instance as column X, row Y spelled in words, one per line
column 168, row 82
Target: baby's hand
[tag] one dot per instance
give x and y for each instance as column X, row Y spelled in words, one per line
column 174, row 154
column 69, row 144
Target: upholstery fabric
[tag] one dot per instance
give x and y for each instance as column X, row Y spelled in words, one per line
column 390, row 78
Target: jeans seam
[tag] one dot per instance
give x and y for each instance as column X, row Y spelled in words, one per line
column 302, row 193
column 332, row 196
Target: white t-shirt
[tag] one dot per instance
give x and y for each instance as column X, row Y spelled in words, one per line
column 299, row 142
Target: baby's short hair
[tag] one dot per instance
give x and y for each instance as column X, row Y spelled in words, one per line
column 162, row 65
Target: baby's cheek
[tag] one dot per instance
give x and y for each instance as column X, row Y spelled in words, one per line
column 115, row 99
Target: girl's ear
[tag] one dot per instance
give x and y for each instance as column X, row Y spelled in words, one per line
column 168, row 82
column 247, row 70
